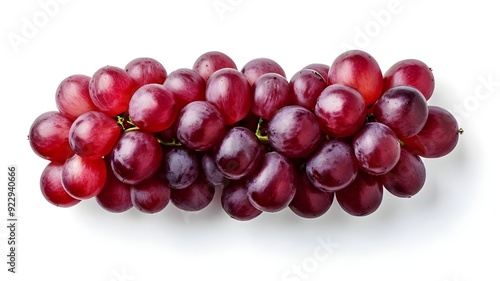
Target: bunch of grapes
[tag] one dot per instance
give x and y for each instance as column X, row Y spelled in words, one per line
column 137, row 137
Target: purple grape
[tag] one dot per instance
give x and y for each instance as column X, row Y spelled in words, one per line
column 306, row 86
column 309, row 201
column 260, row 66
column 321, row 68
column 115, row 195
column 332, row 166
column 294, row 131
column 362, row 197
column 234, row 201
column 179, row 167
column 150, row 196
column 408, row 176
column 211, row 172
column 193, row 198
column 52, row 188
column 270, row 92
column 186, row 85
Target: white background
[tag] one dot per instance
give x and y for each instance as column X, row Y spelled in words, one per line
column 448, row 232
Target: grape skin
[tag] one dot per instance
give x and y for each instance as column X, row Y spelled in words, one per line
column 52, row 188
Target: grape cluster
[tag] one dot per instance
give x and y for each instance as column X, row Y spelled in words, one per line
column 137, row 137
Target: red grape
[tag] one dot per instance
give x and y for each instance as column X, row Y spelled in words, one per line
column 83, row 138
column 362, row 197
column 403, row 109
column 408, row 176
column 230, row 92
column 179, row 167
column 270, row 92
column 272, row 185
column 377, row 148
column 186, row 85
column 110, row 89
column 359, row 70
column 321, row 68
column 193, row 198
column 152, row 108
column 260, row 66
column 332, row 166
column 306, row 86
column 309, row 201
column 210, row 62
column 49, row 136
column 438, row 137
column 83, row 178
column 146, row 71
column 211, row 172
column 73, row 97
column 294, row 131
column 410, row 72
column 234, row 201
column 52, row 189
column 201, row 126
column 115, row 195
column 135, row 157
column 340, row 111
column 150, row 196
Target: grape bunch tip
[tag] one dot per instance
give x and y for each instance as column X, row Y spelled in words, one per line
column 139, row 137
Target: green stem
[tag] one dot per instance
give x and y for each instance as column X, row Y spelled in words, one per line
column 258, row 132
column 173, row 142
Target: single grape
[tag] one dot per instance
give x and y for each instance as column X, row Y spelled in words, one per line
column 238, row 153
column 193, row 198
column 309, row 201
column 340, row 111
column 294, row 131
column 438, row 137
column 150, row 196
column 235, row 203
column 52, row 188
column 230, row 92
column 179, row 167
column 135, row 157
column 260, row 66
column 73, row 97
column 306, row 86
column 211, row 172
column 186, row 85
column 359, row 70
column 410, row 72
column 362, row 197
column 403, row 109
column 115, row 195
column 270, row 92
column 408, row 176
column 332, row 166
column 321, row 68
column 110, row 89
column 84, row 140
column 210, row 62
column 153, row 108
column 272, row 185
column 83, row 178
column 377, row 148
column 49, row 136
column 146, row 71
column 201, row 126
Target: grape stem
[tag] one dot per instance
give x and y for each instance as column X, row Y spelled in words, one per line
column 460, row 131
column 258, row 132
column 173, row 142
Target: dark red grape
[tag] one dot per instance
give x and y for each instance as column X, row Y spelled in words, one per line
column 306, row 86
column 73, row 97
column 201, row 126
column 186, row 85
column 84, row 140
column 52, row 188
column 146, row 71
column 238, row 153
column 153, row 108
column 115, row 195
column 309, row 201
column 234, row 201
column 438, row 137
column 110, row 89
column 359, row 70
column 410, row 72
column 362, row 197
column 403, row 109
column 210, row 62
column 230, row 92
column 83, row 178
column 272, row 185
column 332, row 166
column 179, row 167
column 150, row 196
column 294, row 131
column 408, row 176
column 321, row 68
column 270, row 92
column 260, row 66
column 135, row 157
column 377, row 148
column 49, row 136
column 211, row 172
column 340, row 110
column 193, row 198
